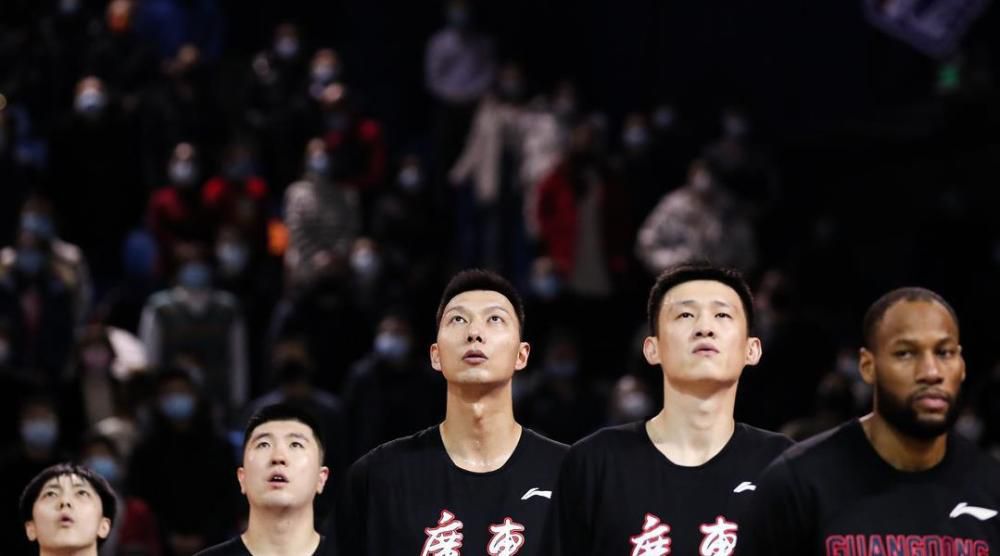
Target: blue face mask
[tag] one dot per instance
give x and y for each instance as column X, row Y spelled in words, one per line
column 177, row 407
column 286, row 47
column 546, row 287
column 566, row 368
column 90, row 102
column 38, row 225
column 238, row 170
column 195, row 276
column 233, row 257
column 182, row 173
column 40, row 434
column 392, row 347
column 104, row 466
column 410, row 178
column 30, row 261
column 318, row 163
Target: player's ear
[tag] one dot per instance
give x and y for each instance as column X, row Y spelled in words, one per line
column 651, row 350
column 754, row 350
column 866, row 365
column 435, row 357
column 104, row 528
column 523, row 350
column 30, row 530
column 240, row 475
column 324, row 474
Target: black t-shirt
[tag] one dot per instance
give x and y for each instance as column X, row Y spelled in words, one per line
column 833, row 494
column 407, row 497
column 618, row 495
column 235, row 547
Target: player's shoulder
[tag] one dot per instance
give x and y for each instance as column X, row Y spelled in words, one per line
column 542, row 445
column 761, row 441
column 837, row 443
column 618, row 440
column 975, row 464
column 232, row 547
column 402, row 451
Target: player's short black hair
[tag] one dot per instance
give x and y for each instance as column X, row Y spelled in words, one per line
column 109, row 504
column 285, row 412
column 481, row 280
column 878, row 309
column 689, row 272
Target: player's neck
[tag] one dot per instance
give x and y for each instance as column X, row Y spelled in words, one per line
column 692, row 428
column 479, row 432
column 288, row 532
column 87, row 551
column 900, row 451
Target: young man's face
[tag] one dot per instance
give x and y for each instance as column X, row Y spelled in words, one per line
column 917, row 368
column 68, row 514
column 282, row 466
column 479, row 340
column 702, row 335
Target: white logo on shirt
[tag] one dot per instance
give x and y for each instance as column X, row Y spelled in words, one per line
column 654, row 540
column 535, row 492
column 744, row 486
column 445, row 539
column 507, row 538
column 982, row 514
column 720, row 538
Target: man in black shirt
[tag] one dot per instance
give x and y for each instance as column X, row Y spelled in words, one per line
column 281, row 475
column 678, row 483
column 894, row 481
column 478, row 483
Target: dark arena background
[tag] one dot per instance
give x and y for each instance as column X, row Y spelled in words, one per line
column 210, row 205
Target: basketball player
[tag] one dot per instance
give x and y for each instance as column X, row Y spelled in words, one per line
column 678, row 483
column 67, row 510
column 281, row 475
column 894, row 481
column 478, row 483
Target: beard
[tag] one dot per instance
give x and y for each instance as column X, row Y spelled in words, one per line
column 901, row 414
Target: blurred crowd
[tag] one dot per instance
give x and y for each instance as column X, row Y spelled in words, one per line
column 200, row 220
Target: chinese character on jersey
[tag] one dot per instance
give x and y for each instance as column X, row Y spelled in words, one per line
column 720, row 538
column 507, row 538
column 654, row 540
column 445, row 539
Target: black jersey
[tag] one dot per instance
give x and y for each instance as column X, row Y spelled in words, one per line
column 407, row 497
column 235, row 547
column 619, row 495
column 834, row 495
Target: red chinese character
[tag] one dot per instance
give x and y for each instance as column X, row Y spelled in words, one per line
column 445, row 539
column 654, row 540
column 720, row 538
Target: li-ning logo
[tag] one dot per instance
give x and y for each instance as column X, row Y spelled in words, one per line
column 982, row 514
column 744, row 486
column 535, row 492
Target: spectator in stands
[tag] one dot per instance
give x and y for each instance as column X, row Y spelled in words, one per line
column 199, row 327
column 184, row 468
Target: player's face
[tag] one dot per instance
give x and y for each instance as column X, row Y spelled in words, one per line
column 702, row 335
column 916, row 367
column 478, row 340
column 68, row 514
column 282, row 466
